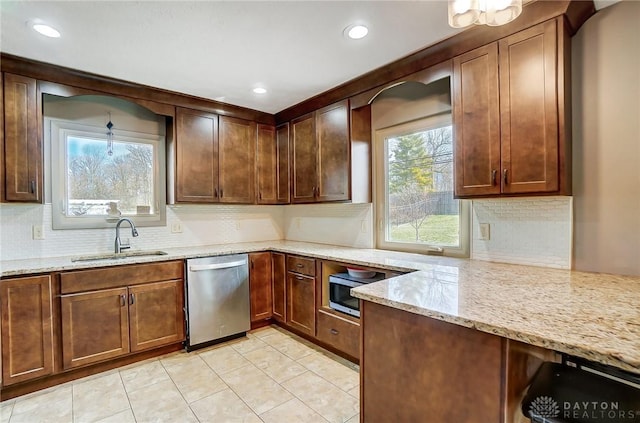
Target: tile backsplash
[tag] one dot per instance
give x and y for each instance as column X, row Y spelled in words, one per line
column 533, row 231
column 201, row 225
column 340, row 224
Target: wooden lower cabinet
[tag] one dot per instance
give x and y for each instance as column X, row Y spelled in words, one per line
column 27, row 330
column 95, row 326
column 342, row 333
column 260, row 286
column 279, row 287
column 301, row 304
column 413, row 367
column 156, row 315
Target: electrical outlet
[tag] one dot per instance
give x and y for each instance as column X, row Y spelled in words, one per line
column 176, row 228
column 37, row 232
column 485, row 232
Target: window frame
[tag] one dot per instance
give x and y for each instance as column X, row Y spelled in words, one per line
column 59, row 131
column 380, row 209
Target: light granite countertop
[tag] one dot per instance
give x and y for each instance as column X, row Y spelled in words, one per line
column 589, row 315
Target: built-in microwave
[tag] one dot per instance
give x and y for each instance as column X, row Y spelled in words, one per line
column 340, row 285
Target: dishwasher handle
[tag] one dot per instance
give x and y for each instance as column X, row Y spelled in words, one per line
column 215, row 266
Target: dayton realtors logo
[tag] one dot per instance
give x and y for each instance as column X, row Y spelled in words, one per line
column 543, row 408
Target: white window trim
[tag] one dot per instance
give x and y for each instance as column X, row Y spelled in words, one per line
column 379, row 196
column 60, row 129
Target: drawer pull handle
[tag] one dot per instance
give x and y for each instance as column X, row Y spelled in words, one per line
column 299, row 278
column 299, row 265
column 334, row 332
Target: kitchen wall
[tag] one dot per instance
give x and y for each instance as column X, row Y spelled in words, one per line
column 606, row 141
column 534, row 231
column 342, row 224
column 201, row 225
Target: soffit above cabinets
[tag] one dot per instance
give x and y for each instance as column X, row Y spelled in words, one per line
column 222, row 50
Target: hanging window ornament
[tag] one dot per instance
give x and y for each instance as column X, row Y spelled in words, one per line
column 110, row 137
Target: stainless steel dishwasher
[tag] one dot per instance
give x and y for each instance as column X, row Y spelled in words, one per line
column 217, row 299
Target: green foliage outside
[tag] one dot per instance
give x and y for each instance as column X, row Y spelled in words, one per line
column 409, row 164
column 437, row 229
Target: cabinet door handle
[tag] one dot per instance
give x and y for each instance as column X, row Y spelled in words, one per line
column 32, row 187
column 131, row 299
column 334, row 332
column 123, row 300
column 215, row 193
column 252, row 264
column 494, row 173
column 299, row 278
column 259, row 196
column 220, row 192
column 504, row 176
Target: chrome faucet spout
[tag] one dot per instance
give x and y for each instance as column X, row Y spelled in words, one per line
column 134, row 232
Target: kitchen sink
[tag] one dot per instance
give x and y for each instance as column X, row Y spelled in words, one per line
column 114, row 256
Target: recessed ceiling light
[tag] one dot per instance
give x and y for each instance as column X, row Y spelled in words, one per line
column 46, row 30
column 259, row 90
column 356, row 32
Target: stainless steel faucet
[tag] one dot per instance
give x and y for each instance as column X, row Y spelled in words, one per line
column 134, row 232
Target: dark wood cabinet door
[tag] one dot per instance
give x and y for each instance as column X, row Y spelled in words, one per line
column 237, row 160
column 279, row 286
column 529, row 110
column 301, row 305
column 156, row 314
column 196, row 156
column 22, row 143
column 283, row 192
column 476, row 119
column 429, row 367
column 332, row 138
column 260, row 286
column 95, row 326
column 27, row 330
column 304, row 156
column 266, row 165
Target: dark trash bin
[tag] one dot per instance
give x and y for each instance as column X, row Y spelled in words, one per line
column 564, row 394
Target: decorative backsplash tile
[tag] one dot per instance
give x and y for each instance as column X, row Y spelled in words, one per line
column 339, row 224
column 201, row 225
column 533, row 231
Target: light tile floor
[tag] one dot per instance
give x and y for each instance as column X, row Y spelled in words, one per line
column 270, row 376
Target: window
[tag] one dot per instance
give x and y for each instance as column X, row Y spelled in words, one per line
column 94, row 186
column 415, row 208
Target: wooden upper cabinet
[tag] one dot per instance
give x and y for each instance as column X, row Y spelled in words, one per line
column 332, row 134
column 156, row 314
column 283, row 192
column 529, row 110
column 27, row 329
column 304, row 158
column 477, row 122
column 320, row 145
column 196, row 156
column 22, row 140
column 510, row 118
column 237, row 160
column 266, row 165
column 260, row 286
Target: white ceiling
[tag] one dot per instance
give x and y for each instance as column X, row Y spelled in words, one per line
column 221, row 50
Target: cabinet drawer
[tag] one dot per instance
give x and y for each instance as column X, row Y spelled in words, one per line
column 305, row 266
column 340, row 333
column 112, row 277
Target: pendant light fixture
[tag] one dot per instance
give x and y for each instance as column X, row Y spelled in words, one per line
column 464, row 13
column 110, row 137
